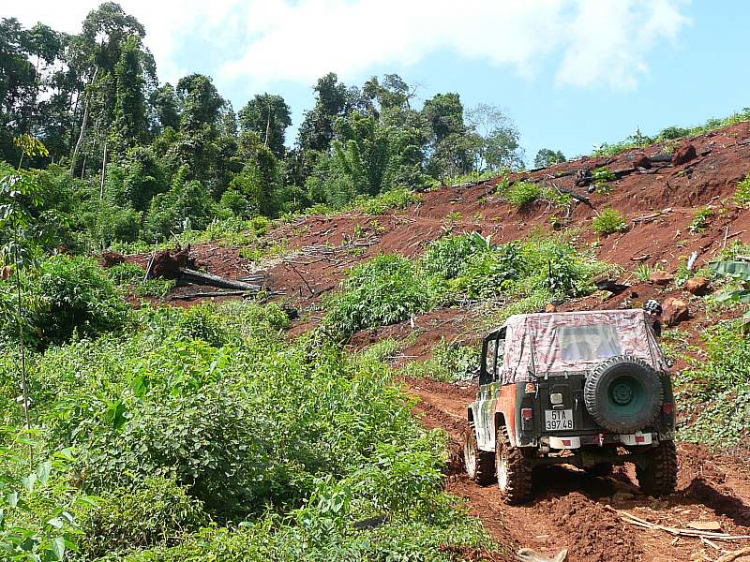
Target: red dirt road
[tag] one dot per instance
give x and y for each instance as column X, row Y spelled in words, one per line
column 582, row 513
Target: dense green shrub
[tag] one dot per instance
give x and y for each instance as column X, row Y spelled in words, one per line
column 608, row 222
column 170, row 430
column 70, row 295
column 447, row 257
column 126, row 273
column 384, row 291
column 522, row 194
column 211, row 441
column 450, row 362
column 157, row 512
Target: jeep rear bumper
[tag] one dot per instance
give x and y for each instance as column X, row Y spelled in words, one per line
column 584, row 451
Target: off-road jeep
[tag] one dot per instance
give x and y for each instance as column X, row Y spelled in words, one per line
column 588, row 389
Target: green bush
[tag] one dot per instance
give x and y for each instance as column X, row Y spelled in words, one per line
column 449, row 363
column 488, row 274
column 70, row 295
column 157, row 512
column 522, row 194
column 384, row 291
column 126, row 273
column 701, row 220
column 300, row 443
column 608, row 222
column 447, row 257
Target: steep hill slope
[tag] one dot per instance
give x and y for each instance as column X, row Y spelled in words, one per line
column 305, row 260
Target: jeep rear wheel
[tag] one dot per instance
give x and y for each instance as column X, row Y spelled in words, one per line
column 513, row 470
column 480, row 465
column 658, row 476
column 624, row 394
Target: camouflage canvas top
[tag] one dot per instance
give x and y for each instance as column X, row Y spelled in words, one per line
column 579, row 341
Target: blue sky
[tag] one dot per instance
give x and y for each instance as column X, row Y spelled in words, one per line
column 570, row 73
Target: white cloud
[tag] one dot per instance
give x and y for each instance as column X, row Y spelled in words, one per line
column 596, row 41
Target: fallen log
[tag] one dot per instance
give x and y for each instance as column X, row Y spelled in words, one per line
column 209, row 294
column 203, row 278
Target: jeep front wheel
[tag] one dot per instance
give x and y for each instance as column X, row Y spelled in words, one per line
column 513, row 470
column 480, row 465
column 658, row 475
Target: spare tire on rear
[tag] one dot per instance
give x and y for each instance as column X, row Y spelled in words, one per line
column 624, row 394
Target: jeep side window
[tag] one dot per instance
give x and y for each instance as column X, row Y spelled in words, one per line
column 500, row 361
column 493, row 353
column 490, row 359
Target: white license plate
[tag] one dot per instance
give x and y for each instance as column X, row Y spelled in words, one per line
column 558, row 420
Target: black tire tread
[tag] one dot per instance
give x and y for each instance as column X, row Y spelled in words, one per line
column 592, row 404
column 485, row 465
column 659, row 476
column 519, row 471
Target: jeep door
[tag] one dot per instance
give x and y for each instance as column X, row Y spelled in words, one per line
column 493, row 353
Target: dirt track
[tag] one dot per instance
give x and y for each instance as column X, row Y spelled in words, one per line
column 579, row 512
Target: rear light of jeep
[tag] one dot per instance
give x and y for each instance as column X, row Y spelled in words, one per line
column 667, row 408
column 527, row 419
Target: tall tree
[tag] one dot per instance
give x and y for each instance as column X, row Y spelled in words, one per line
column 201, row 103
column 316, row 130
column 166, row 107
column 105, row 30
column 496, row 141
column 449, row 145
column 131, row 123
column 268, row 116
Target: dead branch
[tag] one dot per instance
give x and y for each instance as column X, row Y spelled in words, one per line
column 637, row 521
column 732, row 556
column 207, row 294
column 291, row 265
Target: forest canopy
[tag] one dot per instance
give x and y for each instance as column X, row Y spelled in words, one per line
column 141, row 160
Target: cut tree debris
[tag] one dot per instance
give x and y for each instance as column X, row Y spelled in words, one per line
column 179, row 265
column 637, row 521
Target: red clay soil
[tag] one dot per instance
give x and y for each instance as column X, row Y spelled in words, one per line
column 579, row 512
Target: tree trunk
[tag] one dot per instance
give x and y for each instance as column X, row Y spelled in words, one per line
column 104, row 171
column 84, row 123
column 203, row 278
column 268, row 125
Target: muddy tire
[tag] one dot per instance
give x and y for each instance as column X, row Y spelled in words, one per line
column 658, row 476
column 513, row 470
column 480, row 465
column 601, row 469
